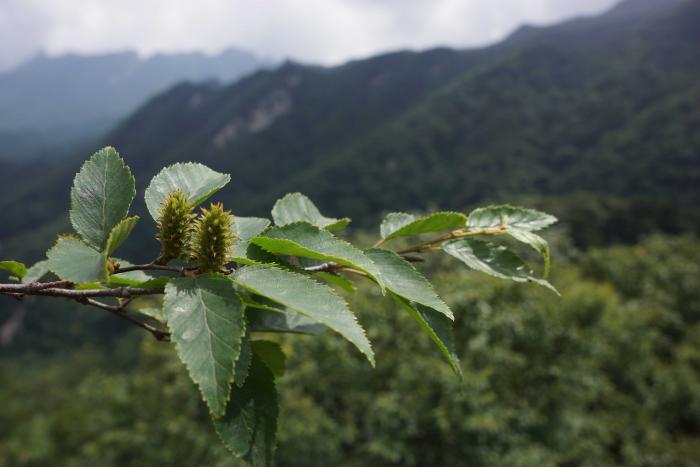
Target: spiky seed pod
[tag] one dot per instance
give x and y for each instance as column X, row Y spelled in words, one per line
column 174, row 226
column 212, row 238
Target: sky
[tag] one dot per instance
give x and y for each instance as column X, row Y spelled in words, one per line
column 312, row 31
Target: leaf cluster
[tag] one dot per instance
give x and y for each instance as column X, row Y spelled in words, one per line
column 245, row 276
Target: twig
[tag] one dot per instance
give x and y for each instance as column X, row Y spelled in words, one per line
column 65, row 289
column 52, row 291
column 428, row 246
column 332, row 266
column 153, row 267
column 119, row 311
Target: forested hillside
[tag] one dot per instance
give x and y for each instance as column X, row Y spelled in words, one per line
column 596, row 109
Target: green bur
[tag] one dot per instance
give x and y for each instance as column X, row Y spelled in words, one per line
column 174, row 226
column 212, row 238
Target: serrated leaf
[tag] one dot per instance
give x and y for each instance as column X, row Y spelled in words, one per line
column 536, row 242
column 101, row 195
column 263, row 318
column 393, row 222
column 404, row 280
column 272, row 355
column 492, row 259
column 36, row 272
column 296, row 207
column 308, row 297
column 244, row 229
column 399, row 224
column 303, row 239
column 249, row 426
column 119, row 233
column 509, row 217
column 206, row 320
column 438, row 327
column 337, row 280
column 14, row 267
column 242, row 367
column 73, row 260
column 197, row 181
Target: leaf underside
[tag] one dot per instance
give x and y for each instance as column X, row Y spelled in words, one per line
column 296, row 207
column 509, row 217
column 492, row 259
column 248, row 427
column 438, row 327
column 197, row 181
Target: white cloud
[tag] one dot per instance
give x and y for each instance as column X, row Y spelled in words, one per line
column 324, row 31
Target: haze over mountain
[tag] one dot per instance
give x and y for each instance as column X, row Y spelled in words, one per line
column 51, row 100
column 595, row 116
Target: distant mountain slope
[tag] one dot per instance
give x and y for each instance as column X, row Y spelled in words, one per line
column 72, row 95
column 604, row 105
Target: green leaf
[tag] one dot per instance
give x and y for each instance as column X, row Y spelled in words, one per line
column 272, row 355
column 509, row 217
column 492, row 259
column 244, row 229
column 306, row 296
column 36, row 272
column 393, row 222
column 119, row 233
column 73, row 260
column 263, row 318
column 101, row 195
column 303, row 239
column 131, row 278
column 536, row 242
column 14, row 267
column 337, row 280
column 295, row 207
column 249, row 426
column 148, row 305
column 404, row 280
column 242, row 367
column 197, row 181
column 399, row 224
column 137, row 278
column 438, row 327
column 206, row 319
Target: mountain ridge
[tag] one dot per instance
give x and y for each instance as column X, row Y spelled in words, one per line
column 69, row 98
column 584, row 106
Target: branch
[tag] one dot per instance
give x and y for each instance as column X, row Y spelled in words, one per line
column 428, row 246
column 51, row 290
column 65, row 289
column 332, row 267
column 153, row 267
column 119, row 311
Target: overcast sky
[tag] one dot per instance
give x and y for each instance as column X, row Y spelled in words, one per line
column 320, row 31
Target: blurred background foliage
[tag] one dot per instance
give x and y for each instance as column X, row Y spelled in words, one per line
column 609, row 374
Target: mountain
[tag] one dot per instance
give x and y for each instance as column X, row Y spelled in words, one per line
column 596, row 117
column 62, row 99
